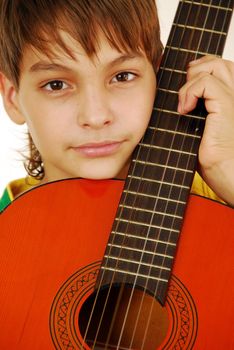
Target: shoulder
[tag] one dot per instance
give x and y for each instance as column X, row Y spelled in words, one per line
column 14, row 189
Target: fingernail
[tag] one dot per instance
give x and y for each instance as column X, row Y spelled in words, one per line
column 179, row 108
column 191, row 63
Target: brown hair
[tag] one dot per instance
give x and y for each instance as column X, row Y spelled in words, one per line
column 129, row 25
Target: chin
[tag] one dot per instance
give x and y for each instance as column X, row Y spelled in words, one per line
column 101, row 174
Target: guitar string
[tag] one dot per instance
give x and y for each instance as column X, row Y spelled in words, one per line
column 220, row 36
column 160, row 187
column 213, row 28
column 135, row 281
column 143, row 294
column 208, row 46
column 182, row 144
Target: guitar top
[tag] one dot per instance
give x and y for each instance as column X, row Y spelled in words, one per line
column 56, row 244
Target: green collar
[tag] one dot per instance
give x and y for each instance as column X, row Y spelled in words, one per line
column 5, row 200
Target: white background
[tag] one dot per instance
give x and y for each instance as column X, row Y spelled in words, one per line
column 12, row 137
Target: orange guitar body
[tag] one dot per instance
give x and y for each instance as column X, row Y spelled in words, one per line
column 52, row 242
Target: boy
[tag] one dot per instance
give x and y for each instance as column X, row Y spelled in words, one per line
column 81, row 74
column 86, row 91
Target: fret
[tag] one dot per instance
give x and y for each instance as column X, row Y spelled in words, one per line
column 146, row 224
column 145, row 210
column 149, row 201
column 151, row 190
column 168, row 91
column 212, row 18
column 208, row 5
column 181, row 50
column 181, row 129
column 200, row 29
column 173, row 70
column 222, row 3
column 160, row 165
column 149, row 252
column 152, row 196
column 143, row 231
column 164, row 157
column 171, row 113
column 134, row 274
column 158, row 257
column 158, row 221
column 162, row 174
column 163, row 161
column 124, row 234
column 142, row 179
column 165, row 149
column 130, row 244
column 136, row 262
column 172, row 80
column 183, row 57
column 192, row 39
column 141, row 268
column 163, row 100
column 174, row 132
column 170, row 102
column 163, row 166
column 192, row 126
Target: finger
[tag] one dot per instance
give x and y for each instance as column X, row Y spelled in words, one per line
column 221, row 69
column 206, row 86
column 203, row 59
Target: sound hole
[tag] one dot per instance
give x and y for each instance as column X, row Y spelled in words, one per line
column 124, row 318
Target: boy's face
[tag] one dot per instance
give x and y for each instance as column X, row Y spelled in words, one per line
column 85, row 116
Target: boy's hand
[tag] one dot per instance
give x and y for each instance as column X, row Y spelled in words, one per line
column 213, row 79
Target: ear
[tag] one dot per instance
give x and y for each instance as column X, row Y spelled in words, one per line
column 10, row 100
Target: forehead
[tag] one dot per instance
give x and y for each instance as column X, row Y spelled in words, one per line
column 57, row 57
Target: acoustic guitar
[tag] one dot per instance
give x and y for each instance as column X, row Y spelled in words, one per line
column 140, row 264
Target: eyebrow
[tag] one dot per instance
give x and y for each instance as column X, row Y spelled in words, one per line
column 125, row 57
column 47, row 66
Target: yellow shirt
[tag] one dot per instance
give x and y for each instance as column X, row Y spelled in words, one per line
column 16, row 187
column 199, row 187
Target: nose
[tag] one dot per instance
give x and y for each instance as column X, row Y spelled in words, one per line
column 95, row 111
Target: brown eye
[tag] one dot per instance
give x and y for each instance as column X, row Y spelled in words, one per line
column 55, row 85
column 124, row 77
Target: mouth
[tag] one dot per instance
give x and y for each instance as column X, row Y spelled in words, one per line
column 99, row 149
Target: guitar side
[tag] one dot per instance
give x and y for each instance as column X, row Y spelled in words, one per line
column 48, row 268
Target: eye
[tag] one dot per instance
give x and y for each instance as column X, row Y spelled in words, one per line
column 124, row 77
column 55, row 85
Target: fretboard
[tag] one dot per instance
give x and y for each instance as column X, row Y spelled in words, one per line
column 144, row 237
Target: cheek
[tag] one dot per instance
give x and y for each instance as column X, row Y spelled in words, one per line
column 141, row 110
column 49, row 122
column 43, row 137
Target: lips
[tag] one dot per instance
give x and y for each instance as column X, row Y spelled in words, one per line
column 100, row 149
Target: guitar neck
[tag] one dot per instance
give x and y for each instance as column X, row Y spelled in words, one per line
column 145, row 233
